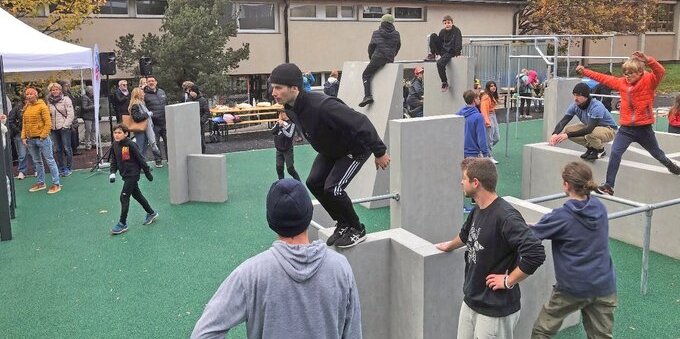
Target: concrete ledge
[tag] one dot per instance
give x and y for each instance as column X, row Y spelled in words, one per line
column 207, row 177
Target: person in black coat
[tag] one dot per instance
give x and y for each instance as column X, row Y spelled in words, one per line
column 87, row 113
column 415, row 94
column 384, row 46
column 602, row 89
column 194, row 94
column 156, row 100
column 344, row 138
column 283, row 132
column 448, row 44
column 121, row 100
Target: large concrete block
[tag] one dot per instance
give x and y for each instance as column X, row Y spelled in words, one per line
column 461, row 75
column 387, row 92
column 426, row 156
column 558, row 96
column 645, row 183
column 183, row 128
column 207, row 175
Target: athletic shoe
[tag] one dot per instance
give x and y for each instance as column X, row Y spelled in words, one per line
column 495, row 162
column 430, row 58
column 150, row 218
column 366, row 101
column 605, row 189
column 340, row 230
column 54, row 189
column 601, row 153
column 37, row 187
column 593, row 155
column 352, row 237
column 445, row 86
column 66, row 173
column 119, row 228
column 159, row 163
column 20, row 176
column 673, row 168
column 587, row 153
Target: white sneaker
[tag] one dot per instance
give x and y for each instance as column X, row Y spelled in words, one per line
column 20, row 176
column 494, row 161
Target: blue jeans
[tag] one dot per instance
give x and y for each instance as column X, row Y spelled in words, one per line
column 21, row 153
column 140, row 140
column 36, row 147
column 62, row 140
column 643, row 135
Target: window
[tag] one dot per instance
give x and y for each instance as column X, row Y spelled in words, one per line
column 321, row 12
column 400, row 13
column 256, row 17
column 114, row 7
column 662, row 19
column 151, row 7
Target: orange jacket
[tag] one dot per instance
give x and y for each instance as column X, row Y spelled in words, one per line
column 674, row 118
column 487, row 107
column 36, row 121
column 637, row 99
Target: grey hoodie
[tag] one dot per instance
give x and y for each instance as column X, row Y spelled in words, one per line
column 288, row 291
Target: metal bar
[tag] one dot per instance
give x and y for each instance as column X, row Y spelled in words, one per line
column 605, row 96
column 516, row 37
column 545, row 59
column 316, row 225
column 625, row 213
column 665, row 203
column 644, row 275
column 394, row 196
column 611, row 52
column 544, row 198
column 529, row 56
column 619, row 200
column 589, row 57
column 5, row 208
column 532, row 98
column 568, row 54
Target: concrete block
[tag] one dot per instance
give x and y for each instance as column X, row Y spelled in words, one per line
column 183, row 128
column 558, row 96
column 645, row 183
column 426, row 156
column 387, row 92
column 207, row 177
column 461, row 75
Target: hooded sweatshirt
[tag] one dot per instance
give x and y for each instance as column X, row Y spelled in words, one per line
column 579, row 231
column 475, row 132
column 288, row 291
column 385, row 43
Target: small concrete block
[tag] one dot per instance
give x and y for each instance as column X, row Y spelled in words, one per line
column 207, row 177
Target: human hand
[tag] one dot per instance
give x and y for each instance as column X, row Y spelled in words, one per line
column 558, row 138
column 640, row 56
column 382, row 162
column 23, row 141
column 579, row 69
column 444, row 246
column 148, row 175
column 112, row 177
column 3, row 117
column 495, row 281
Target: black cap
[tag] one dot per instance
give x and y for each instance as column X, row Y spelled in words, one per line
column 286, row 74
column 289, row 208
column 582, row 90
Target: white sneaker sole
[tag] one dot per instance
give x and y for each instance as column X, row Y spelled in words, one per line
column 352, row 244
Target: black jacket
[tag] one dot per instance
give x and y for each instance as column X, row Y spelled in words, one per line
column 415, row 93
column 602, row 89
column 283, row 136
column 452, row 41
column 385, row 42
column 138, row 113
column 127, row 159
column 203, row 106
column 334, row 129
column 155, row 102
column 121, row 102
column 86, row 107
column 331, row 88
column 15, row 119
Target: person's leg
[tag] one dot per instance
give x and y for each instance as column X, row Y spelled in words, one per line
column 496, row 135
column 279, row 164
column 598, row 317
column 466, row 322
column 68, row 151
column 137, row 194
column 553, row 313
column 496, row 327
column 673, row 129
column 55, row 136
column 21, row 154
column 434, row 46
column 599, row 136
column 150, row 135
column 441, row 68
column 75, row 137
column 203, row 128
column 417, row 112
column 128, row 187
column 46, row 150
column 289, row 159
column 342, row 172
column 321, row 167
column 33, row 146
column 624, row 137
column 647, row 139
column 488, row 139
column 164, row 135
column 140, row 140
column 579, row 140
column 373, row 66
column 89, row 133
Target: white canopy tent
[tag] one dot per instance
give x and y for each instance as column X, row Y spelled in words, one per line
column 24, row 49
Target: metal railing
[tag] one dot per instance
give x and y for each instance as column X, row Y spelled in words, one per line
column 638, row 207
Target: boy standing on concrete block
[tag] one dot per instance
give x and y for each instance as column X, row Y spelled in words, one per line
column 500, row 252
column 384, row 46
column 344, row 139
column 448, row 44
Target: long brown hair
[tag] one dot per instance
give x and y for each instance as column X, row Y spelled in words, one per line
column 580, row 177
column 136, row 98
column 675, row 110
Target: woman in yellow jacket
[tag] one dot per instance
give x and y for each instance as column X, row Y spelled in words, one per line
column 35, row 134
column 488, row 110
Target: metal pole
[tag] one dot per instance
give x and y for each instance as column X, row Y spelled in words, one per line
column 645, row 252
column 611, row 52
column 394, row 196
column 9, row 142
column 517, row 107
column 508, row 99
column 5, row 209
column 545, row 198
column 568, row 54
column 315, row 225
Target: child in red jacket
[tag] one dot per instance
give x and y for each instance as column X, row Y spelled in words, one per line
column 674, row 117
column 637, row 89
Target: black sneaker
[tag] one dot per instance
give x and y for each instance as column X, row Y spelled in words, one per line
column 367, row 101
column 605, row 189
column 601, row 153
column 352, row 237
column 673, row 168
column 430, row 58
column 340, row 230
column 445, row 86
column 593, row 155
column 587, row 153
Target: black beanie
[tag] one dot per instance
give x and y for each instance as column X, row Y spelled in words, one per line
column 195, row 89
column 289, row 208
column 582, row 90
column 287, row 74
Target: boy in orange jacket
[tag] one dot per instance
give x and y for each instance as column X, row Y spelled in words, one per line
column 637, row 89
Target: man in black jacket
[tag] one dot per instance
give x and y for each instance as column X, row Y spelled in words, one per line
column 384, row 46
column 344, row 139
column 500, row 252
column 414, row 100
column 448, row 44
column 194, row 94
column 155, row 100
column 121, row 100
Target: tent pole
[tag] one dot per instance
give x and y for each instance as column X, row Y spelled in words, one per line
column 6, row 211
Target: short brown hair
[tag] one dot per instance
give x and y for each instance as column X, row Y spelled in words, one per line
column 580, row 177
column 481, row 169
column 123, row 128
column 447, row 18
column 469, row 96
